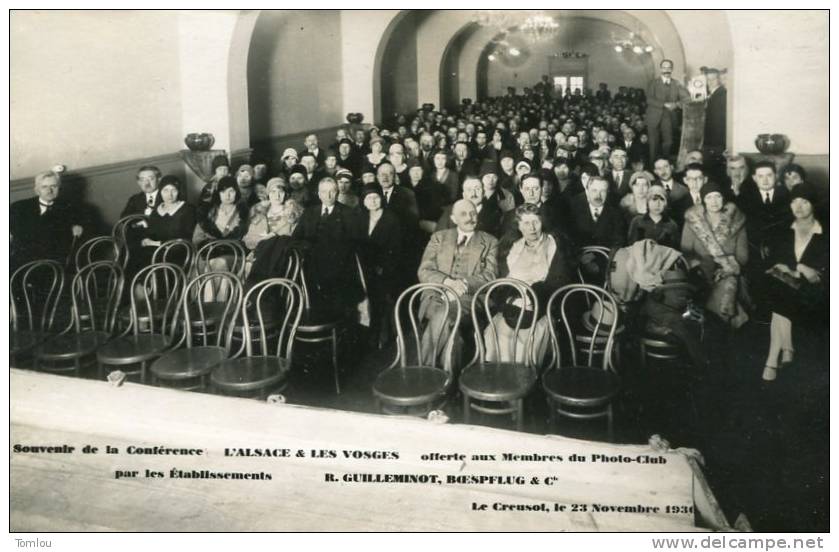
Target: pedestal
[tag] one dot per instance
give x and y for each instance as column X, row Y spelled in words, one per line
column 201, row 162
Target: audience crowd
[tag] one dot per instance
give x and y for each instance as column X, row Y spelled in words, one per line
column 514, row 186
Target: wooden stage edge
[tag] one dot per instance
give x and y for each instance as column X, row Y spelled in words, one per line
column 169, row 460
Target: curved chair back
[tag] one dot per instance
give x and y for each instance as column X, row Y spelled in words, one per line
column 487, row 300
column 178, row 252
column 215, row 248
column 120, row 234
column 163, row 285
column 293, row 266
column 303, row 282
column 603, row 315
column 101, row 248
column 407, row 307
column 34, row 293
column 96, row 293
column 285, row 299
column 197, row 319
column 601, row 257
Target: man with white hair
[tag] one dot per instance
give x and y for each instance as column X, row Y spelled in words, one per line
column 44, row 226
column 330, row 229
column 462, row 258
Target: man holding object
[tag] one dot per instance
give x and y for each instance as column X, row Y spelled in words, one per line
column 664, row 95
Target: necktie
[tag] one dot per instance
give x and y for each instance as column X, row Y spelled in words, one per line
column 667, row 82
column 45, row 207
column 325, row 212
column 766, row 200
column 462, row 241
column 150, row 200
column 596, row 214
column 387, row 197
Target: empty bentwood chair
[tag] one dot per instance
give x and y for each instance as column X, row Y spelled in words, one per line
column 583, row 383
column 121, row 232
column 493, row 383
column 101, row 248
column 34, row 293
column 261, row 374
column 188, row 368
column 407, row 386
column 95, row 292
column 161, row 288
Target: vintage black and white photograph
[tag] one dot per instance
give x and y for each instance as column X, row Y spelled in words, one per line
column 419, row 270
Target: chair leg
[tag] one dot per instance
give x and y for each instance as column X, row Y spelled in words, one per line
column 643, row 353
column 520, row 414
column 551, row 414
column 467, row 414
column 77, row 365
column 335, row 361
column 611, row 424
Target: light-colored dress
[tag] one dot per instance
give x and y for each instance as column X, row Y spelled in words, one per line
column 529, row 264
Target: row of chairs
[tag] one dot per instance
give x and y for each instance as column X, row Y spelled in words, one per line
column 174, row 334
column 578, row 376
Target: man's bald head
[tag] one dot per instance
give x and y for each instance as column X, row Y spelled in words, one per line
column 465, row 215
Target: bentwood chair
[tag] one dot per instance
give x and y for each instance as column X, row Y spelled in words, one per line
column 292, row 272
column 101, row 248
column 161, row 287
column 267, row 372
column 232, row 251
column 121, row 232
column 178, row 252
column 34, row 293
column 407, row 387
column 600, row 258
column 203, row 349
column 315, row 328
column 581, row 387
column 95, row 292
column 504, row 369
column 595, row 269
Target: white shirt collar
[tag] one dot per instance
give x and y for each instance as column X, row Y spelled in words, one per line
column 327, row 210
column 770, row 192
column 592, row 209
column 468, row 235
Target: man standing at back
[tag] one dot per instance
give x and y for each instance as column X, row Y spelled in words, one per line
column 664, row 94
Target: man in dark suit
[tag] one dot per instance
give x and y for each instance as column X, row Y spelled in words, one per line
column 715, row 114
column 148, row 198
column 766, row 207
column 462, row 258
column 489, row 213
column 738, row 179
column 635, row 150
column 531, row 192
column 462, row 164
column 694, row 178
column 594, row 220
column 311, row 146
column 664, row 94
column 618, row 176
column 401, row 201
column 674, row 189
column 44, row 226
column 330, row 229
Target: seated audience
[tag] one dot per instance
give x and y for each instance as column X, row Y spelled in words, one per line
column 489, row 214
column 380, row 250
column 635, row 203
column 714, row 239
column 330, row 230
column 798, row 293
column 173, row 219
column 655, row 224
column 594, row 220
column 462, row 258
column 272, row 217
column 544, row 262
column 225, row 218
column 44, row 226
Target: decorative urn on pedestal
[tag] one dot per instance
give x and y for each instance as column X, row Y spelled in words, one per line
column 199, row 141
column 771, row 144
